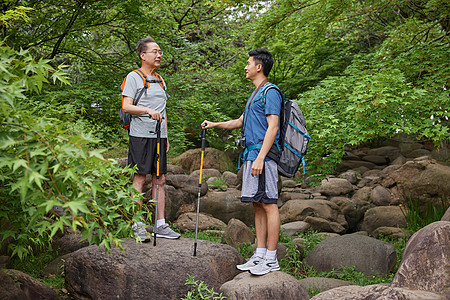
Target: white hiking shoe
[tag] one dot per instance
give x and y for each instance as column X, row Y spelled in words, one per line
column 265, row 266
column 251, row 263
column 164, row 231
column 139, row 232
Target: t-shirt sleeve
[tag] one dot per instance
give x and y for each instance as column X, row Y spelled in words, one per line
column 273, row 102
column 130, row 88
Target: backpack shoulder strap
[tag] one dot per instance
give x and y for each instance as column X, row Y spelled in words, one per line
column 144, row 77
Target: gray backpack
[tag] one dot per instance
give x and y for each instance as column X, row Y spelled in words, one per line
column 294, row 138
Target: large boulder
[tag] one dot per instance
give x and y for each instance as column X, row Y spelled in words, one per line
column 24, row 285
column 317, row 211
column 145, row 271
column 225, row 205
column 213, row 159
column 335, row 187
column 376, row 291
column 275, row 285
column 353, row 250
column 429, row 186
column 386, row 216
column 426, row 260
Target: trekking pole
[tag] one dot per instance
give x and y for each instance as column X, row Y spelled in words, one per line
column 203, row 137
column 158, row 149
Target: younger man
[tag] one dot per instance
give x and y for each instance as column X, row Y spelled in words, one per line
column 260, row 174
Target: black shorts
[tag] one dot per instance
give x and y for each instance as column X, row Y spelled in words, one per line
column 143, row 153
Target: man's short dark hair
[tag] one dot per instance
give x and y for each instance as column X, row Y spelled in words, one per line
column 264, row 57
column 142, row 45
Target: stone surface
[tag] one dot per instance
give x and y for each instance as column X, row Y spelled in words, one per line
column 388, row 216
column 147, row 271
column 446, row 216
column 295, row 228
column 237, row 233
column 392, row 232
column 323, row 283
column 353, row 250
column 10, row 289
column 299, row 210
column 69, row 243
column 377, row 291
column 230, row 178
column 335, row 187
column 225, row 205
column 206, row 173
column 274, row 285
column 213, row 159
column 31, row 287
column 380, row 196
column 187, row 221
column 426, row 260
column 353, row 209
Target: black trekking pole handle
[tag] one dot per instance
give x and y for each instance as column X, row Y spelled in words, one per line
column 203, row 137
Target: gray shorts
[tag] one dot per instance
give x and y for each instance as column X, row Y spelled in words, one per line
column 262, row 187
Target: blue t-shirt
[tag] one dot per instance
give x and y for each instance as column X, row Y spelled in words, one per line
column 256, row 121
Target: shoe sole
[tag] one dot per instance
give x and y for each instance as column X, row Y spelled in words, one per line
column 245, row 268
column 272, row 270
column 165, row 236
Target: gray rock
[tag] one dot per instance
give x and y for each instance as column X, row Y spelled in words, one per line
column 380, row 196
column 10, row 289
column 426, row 260
column 206, row 173
column 418, row 153
column 299, row 210
column 400, row 160
column 353, row 165
column 363, row 193
column 322, row 283
column 187, row 221
column 353, row 209
column 145, row 271
column 376, row 159
column 32, row 288
column 230, row 178
column 213, row 159
column 350, row 175
column 390, row 152
column 70, row 243
column 392, row 232
column 274, row 285
column 56, row 267
column 173, row 169
column 446, row 216
column 237, row 233
column 295, row 228
column 225, row 205
column 187, row 184
column 353, row 250
column 376, row 291
column 321, row 224
column 388, row 216
column 335, row 187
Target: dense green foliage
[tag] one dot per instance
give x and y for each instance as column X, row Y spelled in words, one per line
column 360, row 70
column 45, row 163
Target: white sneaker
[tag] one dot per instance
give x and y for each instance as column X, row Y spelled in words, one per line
column 251, row 263
column 265, row 266
column 139, row 232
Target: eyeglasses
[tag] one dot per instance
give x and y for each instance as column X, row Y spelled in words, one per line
column 154, row 52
